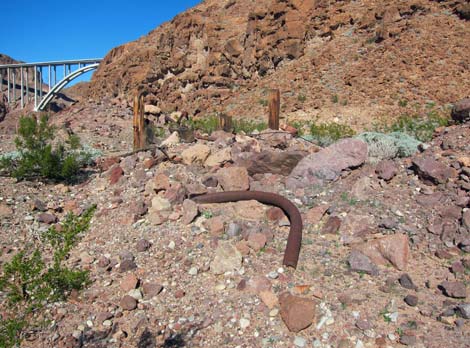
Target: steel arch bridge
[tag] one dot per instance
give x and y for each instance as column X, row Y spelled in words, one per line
column 33, row 73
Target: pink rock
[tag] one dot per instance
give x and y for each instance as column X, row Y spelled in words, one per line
column 314, row 215
column 190, row 211
column 328, row 163
column 392, row 249
column 129, row 282
column 128, row 303
column 115, row 173
column 256, row 241
column 233, row 179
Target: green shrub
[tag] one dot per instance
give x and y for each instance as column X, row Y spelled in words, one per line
column 328, row 133
column 207, row 124
column 10, row 332
column 31, row 281
column 36, row 157
column 421, row 128
column 248, row 126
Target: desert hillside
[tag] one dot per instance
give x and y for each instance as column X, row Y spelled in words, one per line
column 353, row 60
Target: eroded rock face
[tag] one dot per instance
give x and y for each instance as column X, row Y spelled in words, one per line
column 327, row 164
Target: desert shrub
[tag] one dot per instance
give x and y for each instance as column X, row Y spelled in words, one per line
column 248, row 126
column 388, row 146
column 31, row 280
column 37, row 157
column 420, row 128
column 328, row 133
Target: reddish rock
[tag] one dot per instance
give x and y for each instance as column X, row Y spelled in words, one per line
column 216, row 225
column 151, row 289
column 275, row 214
column 115, row 173
column 128, row 303
column 331, row 226
column 105, row 163
column 176, row 193
column 392, row 249
column 47, row 218
column 257, row 284
column 314, row 215
column 161, row 182
column 454, row 289
column 143, row 245
column 466, row 219
column 386, row 169
column 432, row 171
column 256, row 241
column 129, row 282
column 297, row 313
column 180, row 294
column 233, row 179
column 328, row 163
column 190, row 211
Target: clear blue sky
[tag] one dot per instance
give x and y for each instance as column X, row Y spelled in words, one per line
column 34, row 31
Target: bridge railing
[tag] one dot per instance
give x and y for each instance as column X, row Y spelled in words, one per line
column 33, row 73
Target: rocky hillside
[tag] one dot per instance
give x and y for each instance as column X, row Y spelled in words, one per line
column 350, row 60
column 166, row 271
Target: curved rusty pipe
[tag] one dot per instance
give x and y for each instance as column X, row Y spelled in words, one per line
column 294, row 240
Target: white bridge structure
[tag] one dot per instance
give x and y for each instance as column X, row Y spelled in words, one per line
column 43, row 87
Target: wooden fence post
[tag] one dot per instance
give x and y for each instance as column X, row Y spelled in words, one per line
column 225, row 123
column 138, row 123
column 274, row 108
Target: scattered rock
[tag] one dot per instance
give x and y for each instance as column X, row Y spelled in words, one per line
column 227, row 259
column 464, row 310
column 406, row 282
column 129, row 282
column 143, row 245
column 411, row 300
column 219, row 158
column 233, row 179
column 190, row 211
column 361, row 263
column 115, row 173
column 196, row 154
column 386, row 169
column 128, row 303
column 159, row 204
column 275, row 162
column 314, row 215
column 47, row 218
column 432, row 171
column 461, row 110
column 256, row 241
column 392, row 249
column 5, row 211
column 331, row 226
column 296, row 312
column 152, row 289
column 454, row 289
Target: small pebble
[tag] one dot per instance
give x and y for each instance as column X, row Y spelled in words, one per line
column 244, row 323
column 193, row 271
column 300, row 341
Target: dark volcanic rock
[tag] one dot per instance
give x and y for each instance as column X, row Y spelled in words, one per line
column 454, row 289
column 386, row 169
column 361, row 263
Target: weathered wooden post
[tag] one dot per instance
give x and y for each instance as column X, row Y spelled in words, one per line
column 138, row 123
column 274, row 109
column 225, row 123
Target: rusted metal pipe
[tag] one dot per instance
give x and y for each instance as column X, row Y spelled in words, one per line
column 294, row 240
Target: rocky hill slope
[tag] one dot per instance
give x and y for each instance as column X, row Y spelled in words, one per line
column 350, row 60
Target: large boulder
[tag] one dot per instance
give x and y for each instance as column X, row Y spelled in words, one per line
column 327, row 164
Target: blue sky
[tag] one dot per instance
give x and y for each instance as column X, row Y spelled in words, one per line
column 34, row 31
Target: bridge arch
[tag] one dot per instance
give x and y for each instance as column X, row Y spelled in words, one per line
column 61, row 84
